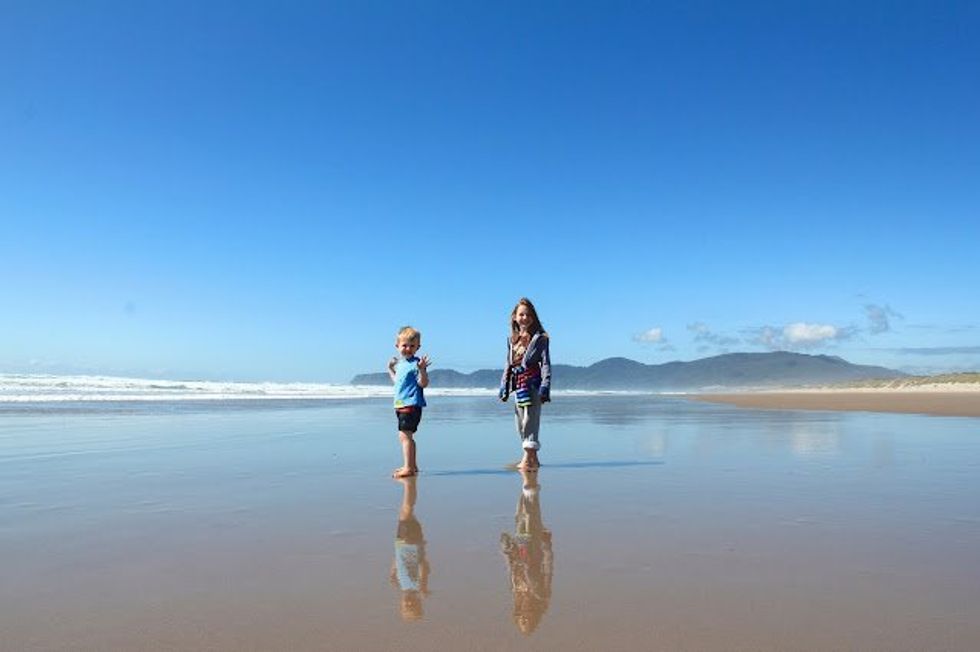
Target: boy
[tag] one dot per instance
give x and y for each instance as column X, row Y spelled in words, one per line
column 410, row 375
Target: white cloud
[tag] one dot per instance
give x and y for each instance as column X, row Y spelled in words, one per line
column 651, row 336
column 798, row 335
column 802, row 334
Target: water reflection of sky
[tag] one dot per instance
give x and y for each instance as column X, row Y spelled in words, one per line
column 649, row 513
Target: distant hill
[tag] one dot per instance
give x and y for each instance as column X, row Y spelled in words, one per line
column 777, row 368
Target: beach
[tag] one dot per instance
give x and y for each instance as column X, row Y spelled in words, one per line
column 655, row 523
column 940, row 400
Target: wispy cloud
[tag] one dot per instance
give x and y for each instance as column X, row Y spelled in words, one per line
column 706, row 338
column 879, row 318
column 964, row 328
column 766, row 336
column 953, row 329
column 937, row 350
column 650, row 336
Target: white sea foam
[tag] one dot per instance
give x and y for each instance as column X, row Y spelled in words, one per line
column 17, row 388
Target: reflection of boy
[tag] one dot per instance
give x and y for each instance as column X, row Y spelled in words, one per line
column 410, row 568
column 530, row 559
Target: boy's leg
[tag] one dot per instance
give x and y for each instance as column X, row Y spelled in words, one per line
column 408, row 422
column 413, row 427
column 408, row 467
column 409, row 454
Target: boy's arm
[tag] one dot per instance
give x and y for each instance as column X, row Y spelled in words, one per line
column 424, row 372
column 391, row 368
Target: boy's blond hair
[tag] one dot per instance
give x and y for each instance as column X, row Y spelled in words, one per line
column 410, row 334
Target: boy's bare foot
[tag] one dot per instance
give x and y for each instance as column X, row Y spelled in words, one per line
column 402, row 472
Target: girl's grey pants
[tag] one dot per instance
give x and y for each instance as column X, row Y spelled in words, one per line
column 528, row 421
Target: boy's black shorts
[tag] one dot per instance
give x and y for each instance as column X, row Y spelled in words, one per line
column 408, row 418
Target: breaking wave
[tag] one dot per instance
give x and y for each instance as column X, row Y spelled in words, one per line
column 18, row 388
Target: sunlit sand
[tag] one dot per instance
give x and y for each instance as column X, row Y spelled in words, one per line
column 941, row 399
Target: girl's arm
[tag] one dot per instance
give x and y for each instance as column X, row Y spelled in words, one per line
column 539, row 352
column 505, row 378
column 543, row 354
column 545, row 363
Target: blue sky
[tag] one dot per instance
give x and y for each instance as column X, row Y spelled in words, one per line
column 267, row 191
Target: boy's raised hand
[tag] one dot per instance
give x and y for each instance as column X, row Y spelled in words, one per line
column 424, row 362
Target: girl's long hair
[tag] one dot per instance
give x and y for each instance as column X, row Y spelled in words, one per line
column 515, row 330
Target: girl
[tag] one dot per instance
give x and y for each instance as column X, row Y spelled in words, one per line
column 528, row 374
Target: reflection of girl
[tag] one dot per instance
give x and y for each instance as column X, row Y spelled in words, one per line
column 410, row 568
column 529, row 557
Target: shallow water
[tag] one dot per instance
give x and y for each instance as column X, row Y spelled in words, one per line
column 656, row 523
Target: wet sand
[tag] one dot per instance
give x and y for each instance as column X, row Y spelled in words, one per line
column 963, row 403
column 655, row 523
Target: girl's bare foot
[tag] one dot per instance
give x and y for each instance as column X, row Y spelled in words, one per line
column 403, row 472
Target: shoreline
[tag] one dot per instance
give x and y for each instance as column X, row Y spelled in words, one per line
column 938, row 400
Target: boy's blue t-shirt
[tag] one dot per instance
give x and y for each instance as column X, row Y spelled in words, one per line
column 408, row 392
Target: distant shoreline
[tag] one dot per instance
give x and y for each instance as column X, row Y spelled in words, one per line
column 941, row 399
